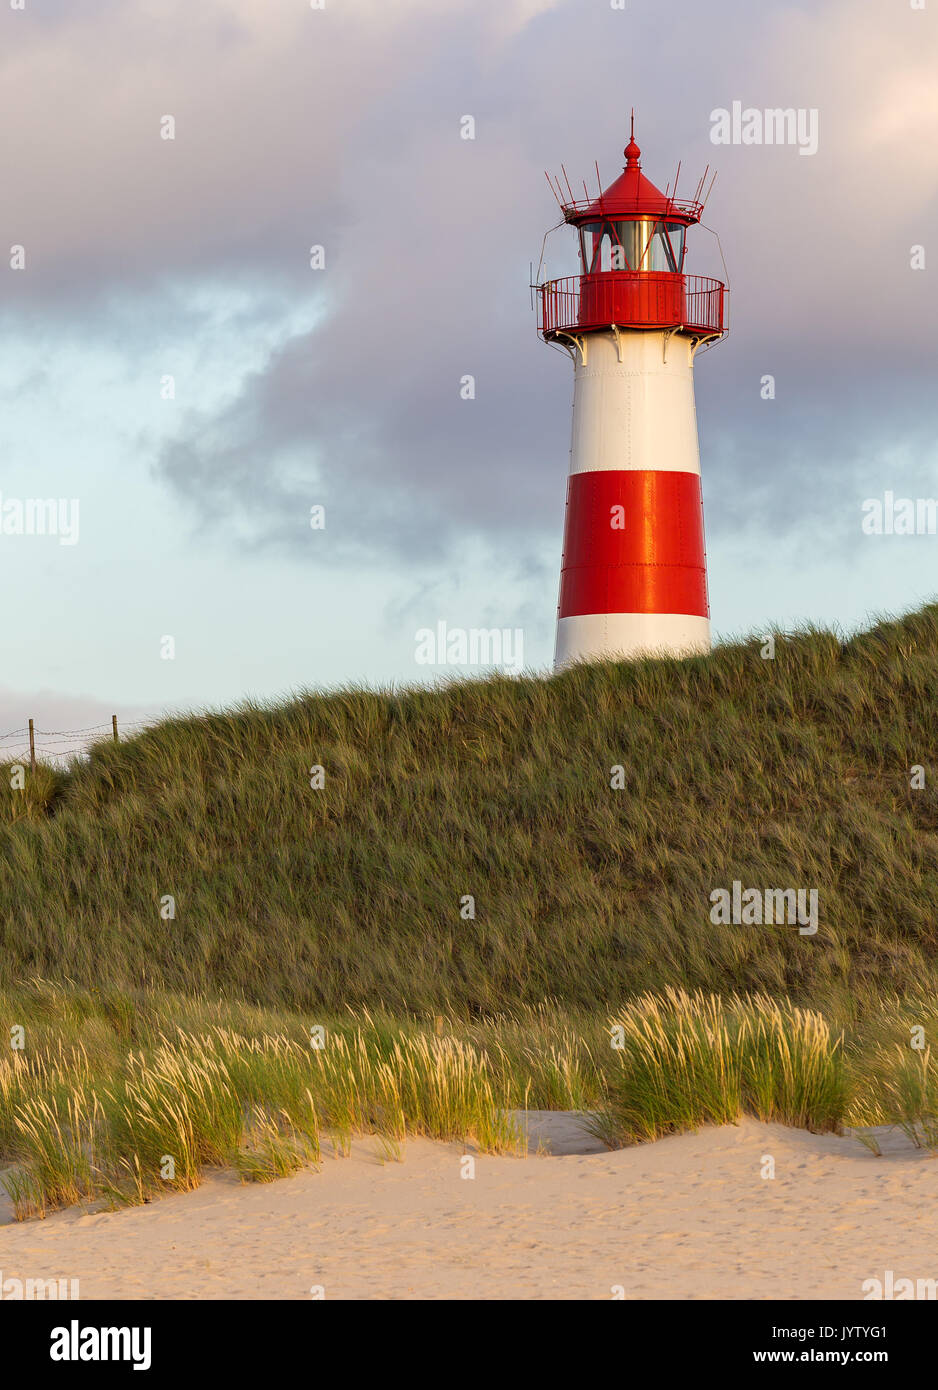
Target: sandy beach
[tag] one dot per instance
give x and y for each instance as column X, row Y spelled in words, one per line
column 687, row 1217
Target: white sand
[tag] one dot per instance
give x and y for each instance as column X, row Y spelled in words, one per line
column 688, row 1217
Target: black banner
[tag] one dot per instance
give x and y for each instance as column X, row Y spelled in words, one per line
column 245, row 1339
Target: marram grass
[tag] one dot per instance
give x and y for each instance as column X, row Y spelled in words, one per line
column 686, row 1060
column 207, row 910
column 87, row 1115
column 152, row 1119
column 789, row 773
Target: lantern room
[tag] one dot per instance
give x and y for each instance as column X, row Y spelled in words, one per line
column 632, row 245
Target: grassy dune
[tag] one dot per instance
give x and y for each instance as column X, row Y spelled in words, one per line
column 205, row 911
column 787, row 773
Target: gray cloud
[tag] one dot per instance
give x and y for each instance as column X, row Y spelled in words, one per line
column 289, row 134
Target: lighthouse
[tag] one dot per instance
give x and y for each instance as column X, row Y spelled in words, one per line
column 633, row 578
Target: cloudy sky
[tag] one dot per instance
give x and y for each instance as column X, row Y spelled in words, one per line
column 189, row 258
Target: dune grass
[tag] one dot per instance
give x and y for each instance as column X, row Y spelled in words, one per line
column 120, row 1101
column 125, row 1124
column 792, row 772
column 894, row 1077
column 689, row 1060
column 495, row 881
column 28, row 794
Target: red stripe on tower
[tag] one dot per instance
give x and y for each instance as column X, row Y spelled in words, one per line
column 633, row 543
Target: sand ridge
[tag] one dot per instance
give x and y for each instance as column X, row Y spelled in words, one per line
column 687, row 1217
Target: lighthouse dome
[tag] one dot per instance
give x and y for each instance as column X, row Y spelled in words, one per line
column 632, row 195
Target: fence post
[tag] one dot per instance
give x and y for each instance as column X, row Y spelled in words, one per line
column 114, row 727
column 32, row 747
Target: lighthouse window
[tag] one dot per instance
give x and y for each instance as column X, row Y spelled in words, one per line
column 675, row 233
column 666, row 251
column 632, row 245
column 633, row 238
column 596, row 247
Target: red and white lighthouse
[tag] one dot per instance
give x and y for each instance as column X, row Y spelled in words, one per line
column 633, row 577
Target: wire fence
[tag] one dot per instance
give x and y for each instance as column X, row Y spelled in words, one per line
column 30, row 743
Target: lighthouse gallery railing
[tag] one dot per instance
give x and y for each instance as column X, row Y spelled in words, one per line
column 632, row 299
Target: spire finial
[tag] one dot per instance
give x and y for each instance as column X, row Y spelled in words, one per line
column 632, row 152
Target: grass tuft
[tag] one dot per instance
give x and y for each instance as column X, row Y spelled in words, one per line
column 686, row 1060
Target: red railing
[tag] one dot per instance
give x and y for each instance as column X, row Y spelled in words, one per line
column 632, row 299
